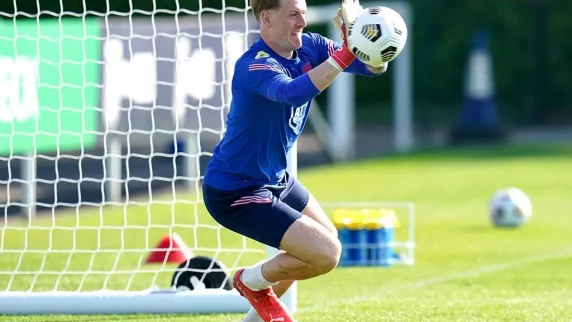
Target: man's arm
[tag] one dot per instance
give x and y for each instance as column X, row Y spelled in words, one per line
column 267, row 78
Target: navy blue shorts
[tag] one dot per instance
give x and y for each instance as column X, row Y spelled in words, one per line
column 262, row 213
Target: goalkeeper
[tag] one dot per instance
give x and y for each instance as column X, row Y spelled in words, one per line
column 246, row 187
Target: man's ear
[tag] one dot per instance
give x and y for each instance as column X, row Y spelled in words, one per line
column 265, row 17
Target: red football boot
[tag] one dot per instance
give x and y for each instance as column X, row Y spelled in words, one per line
column 265, row 302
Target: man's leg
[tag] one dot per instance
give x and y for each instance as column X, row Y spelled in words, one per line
column 256, row 214
column 310, row 250
column 314, row 211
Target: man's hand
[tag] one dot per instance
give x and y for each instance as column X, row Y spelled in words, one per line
column 377, row 70
column 350, row 11
column 346, row 15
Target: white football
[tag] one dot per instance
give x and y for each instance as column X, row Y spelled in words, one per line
column 377, row 36
column 510, row 207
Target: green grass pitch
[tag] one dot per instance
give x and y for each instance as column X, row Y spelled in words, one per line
column 465, row 269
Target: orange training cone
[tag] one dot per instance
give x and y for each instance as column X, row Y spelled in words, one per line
column 171, row 249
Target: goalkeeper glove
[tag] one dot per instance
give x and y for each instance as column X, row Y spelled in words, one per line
column 345, row 16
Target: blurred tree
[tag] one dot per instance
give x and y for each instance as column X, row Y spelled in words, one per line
column 539, row 45
column 558, row 46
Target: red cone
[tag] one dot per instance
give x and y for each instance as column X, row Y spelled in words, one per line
column 171, row 249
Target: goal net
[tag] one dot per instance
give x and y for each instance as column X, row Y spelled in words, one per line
column 106, row 123
column 90, row 105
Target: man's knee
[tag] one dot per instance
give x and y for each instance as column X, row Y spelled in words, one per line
column 329, row 259
column 313, row 244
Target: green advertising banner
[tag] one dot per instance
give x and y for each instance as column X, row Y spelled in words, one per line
column 49, row 79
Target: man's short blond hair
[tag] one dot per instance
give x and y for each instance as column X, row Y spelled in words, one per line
column 260, row 5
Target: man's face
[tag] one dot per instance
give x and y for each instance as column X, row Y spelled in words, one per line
column 287, row 23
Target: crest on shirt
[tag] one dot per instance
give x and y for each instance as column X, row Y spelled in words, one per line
column 306, row 68
column 297, row 117
column 261, row 54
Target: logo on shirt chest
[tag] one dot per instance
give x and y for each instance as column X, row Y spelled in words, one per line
column 297, row 117
column 307, row 67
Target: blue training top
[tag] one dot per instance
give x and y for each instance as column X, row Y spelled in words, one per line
column 271, row 97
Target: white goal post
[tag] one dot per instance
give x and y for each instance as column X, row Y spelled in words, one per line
column 89, row 107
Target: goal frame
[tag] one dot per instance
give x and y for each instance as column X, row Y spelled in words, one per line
column 157, row 301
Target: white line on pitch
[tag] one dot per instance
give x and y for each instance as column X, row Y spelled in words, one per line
column 482, row 270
